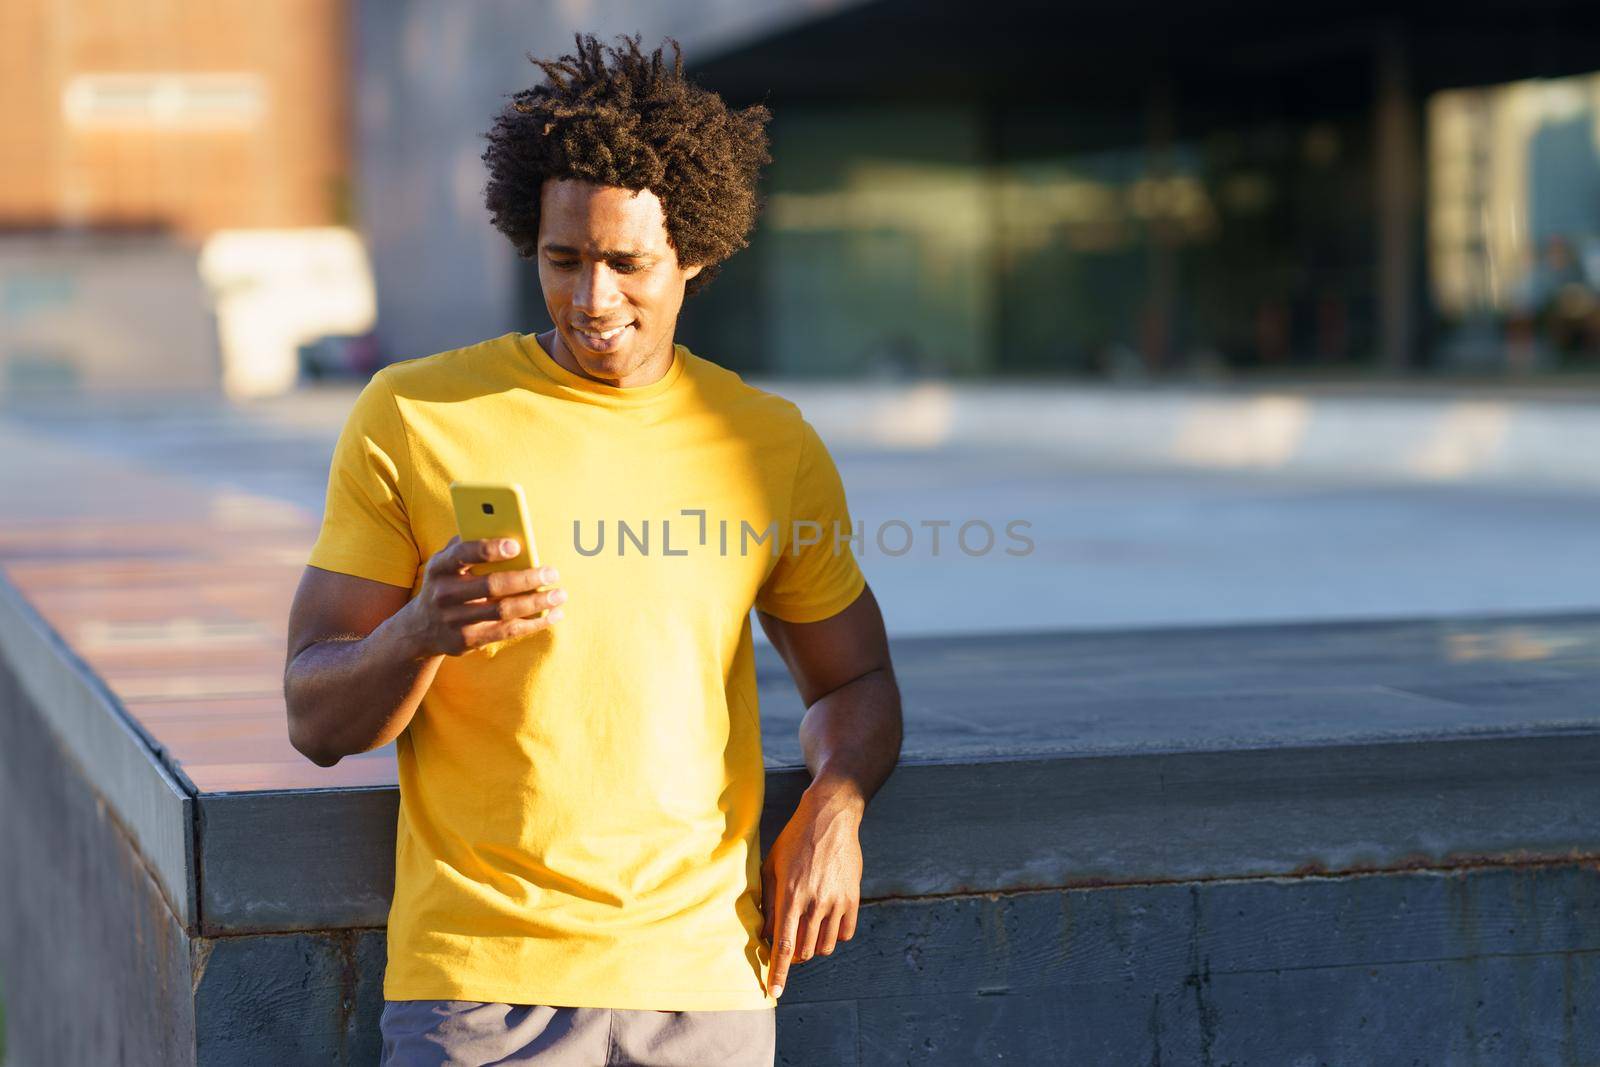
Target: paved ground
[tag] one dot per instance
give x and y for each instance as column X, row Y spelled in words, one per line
column 1111, row 548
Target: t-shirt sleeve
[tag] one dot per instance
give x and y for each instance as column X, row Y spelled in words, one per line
column 816, row 575
column 365, row 529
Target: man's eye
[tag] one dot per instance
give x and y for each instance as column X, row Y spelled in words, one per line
column 625, row 268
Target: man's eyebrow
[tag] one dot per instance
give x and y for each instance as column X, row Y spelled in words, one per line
column 607, row 253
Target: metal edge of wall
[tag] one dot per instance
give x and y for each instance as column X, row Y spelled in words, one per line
column 298, row 859
column 1034, row 822
column 151, row 796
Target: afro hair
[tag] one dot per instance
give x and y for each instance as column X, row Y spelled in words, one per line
column 636, row 123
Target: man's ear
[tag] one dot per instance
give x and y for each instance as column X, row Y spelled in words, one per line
column 690, row 272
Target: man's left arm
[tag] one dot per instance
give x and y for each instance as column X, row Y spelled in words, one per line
column 851, row 733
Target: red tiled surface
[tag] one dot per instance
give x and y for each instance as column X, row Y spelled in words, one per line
column 179, row 599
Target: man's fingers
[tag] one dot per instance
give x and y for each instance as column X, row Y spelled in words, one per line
column 502, row 583
column 847, row 922
column 457, row 554
column 782, row 950
column 769, row 903
column 828, row 933
column 806, row 934
column 486, row 633
column 441, row 563
column 484, row 550
column 507, row 608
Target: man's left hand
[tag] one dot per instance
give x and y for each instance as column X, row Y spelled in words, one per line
column 811, row 880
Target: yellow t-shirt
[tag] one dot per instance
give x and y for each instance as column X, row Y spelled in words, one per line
column 580, row 808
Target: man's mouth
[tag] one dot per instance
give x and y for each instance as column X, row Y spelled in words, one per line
column 601, row 340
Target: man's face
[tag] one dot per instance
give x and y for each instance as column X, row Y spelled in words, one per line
column 611, row 282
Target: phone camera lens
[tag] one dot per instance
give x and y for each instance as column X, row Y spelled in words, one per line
column 488, row 509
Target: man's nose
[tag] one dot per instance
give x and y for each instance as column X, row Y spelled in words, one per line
column 596, row 289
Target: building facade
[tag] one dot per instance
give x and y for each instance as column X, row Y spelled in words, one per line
column 1020, row 190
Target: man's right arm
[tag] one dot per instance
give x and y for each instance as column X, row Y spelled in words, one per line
column 362, row 653
column 355, row 674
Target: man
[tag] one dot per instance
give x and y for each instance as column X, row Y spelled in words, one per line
column 577, row 863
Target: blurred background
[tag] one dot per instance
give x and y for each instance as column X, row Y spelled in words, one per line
column 244, row 197
column 1250, row 313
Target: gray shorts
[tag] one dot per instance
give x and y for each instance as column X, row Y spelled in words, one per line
column 466, row 1033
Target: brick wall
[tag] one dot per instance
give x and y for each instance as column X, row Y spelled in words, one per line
column 190, row 115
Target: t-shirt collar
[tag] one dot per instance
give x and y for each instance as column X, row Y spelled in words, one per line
column 581, row 388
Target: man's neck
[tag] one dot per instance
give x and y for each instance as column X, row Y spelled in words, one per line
column 648, row 374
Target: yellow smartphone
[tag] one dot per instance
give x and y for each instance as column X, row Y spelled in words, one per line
column 486, row 509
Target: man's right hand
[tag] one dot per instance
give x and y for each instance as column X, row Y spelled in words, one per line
column 457, row 611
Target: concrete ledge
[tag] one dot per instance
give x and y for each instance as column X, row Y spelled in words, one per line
column 1243, row 844
column 1059, row 760
column 96, row 960
column 324, row 859
column 148, row 794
